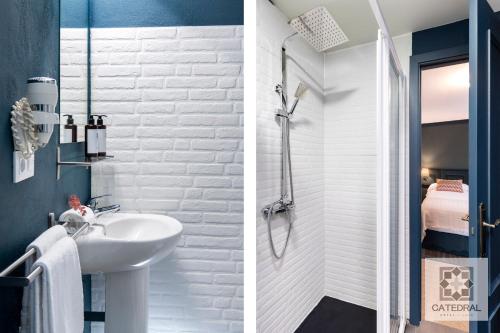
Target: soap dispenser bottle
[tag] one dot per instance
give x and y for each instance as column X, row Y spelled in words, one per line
column 101, row 134
column 70, row 129
column 91, row 139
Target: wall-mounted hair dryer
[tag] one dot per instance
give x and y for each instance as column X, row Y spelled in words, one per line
column 33, row 118
column 42, row 96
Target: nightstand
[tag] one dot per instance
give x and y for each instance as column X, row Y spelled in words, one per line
column 424, row 190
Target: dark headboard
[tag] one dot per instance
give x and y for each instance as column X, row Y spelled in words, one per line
column 450, row 174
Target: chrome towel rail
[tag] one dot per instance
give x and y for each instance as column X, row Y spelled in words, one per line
column 14, row 281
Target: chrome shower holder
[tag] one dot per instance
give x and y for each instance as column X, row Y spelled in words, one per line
column 286, row 203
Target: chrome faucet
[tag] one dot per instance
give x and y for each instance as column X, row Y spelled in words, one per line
column 99, row 211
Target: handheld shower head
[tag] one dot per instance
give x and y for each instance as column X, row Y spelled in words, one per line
column 301, row 89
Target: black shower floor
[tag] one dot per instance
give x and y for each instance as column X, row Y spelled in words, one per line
column 334, row 316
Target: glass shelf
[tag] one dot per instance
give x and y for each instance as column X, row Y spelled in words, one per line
column 86, row 162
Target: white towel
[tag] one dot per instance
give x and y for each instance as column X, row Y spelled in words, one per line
column 62, row 290
column 75, row 215
column 31, row 313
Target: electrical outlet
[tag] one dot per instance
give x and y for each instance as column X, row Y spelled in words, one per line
column 23, row 168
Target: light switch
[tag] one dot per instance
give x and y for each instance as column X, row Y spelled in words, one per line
column 23, row 168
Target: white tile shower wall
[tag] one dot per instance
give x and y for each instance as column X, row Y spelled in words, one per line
column 288, row 289
column 174, row 98
column 350, row 168
column 350, row 171
column 73, row 81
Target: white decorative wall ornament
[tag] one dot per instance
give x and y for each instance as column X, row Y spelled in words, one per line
column 23, row 128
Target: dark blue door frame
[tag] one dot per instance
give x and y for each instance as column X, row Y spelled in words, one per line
column 417, row 62
column 484, row 111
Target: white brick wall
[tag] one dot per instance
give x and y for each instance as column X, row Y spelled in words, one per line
column 174, row 101
column 288, row 289
column 350, row 176
column 73, row 81
column 350, row 171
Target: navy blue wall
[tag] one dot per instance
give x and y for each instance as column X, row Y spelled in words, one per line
column 74, row 13
column 439, row 38
column 154, row 13
column 29, row 46
column 445, row 145
column 442, row 37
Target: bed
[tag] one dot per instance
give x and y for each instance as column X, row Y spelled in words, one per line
column 444, row 224
column 445, row 211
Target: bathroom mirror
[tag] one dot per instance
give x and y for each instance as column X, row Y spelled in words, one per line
column 74, row 70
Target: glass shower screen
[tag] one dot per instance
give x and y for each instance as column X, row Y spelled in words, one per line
column 394, row 221
column 391, row 108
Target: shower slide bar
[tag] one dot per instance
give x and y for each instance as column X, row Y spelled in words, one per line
column 12, row 281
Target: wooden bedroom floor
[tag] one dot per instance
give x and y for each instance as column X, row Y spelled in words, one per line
column 440, row 326
column 430, row 327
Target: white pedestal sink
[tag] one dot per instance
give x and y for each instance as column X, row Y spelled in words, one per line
column 123, row 246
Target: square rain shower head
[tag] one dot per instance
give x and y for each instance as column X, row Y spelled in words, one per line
column 319, row 29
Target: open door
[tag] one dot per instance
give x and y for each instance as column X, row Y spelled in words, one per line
column 484, row 143
column 391, row 184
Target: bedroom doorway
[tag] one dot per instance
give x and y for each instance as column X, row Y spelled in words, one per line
column 483, row 53
column 439, row 170
column 444, row 100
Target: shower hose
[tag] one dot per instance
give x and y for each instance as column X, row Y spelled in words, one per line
column 270, row 213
